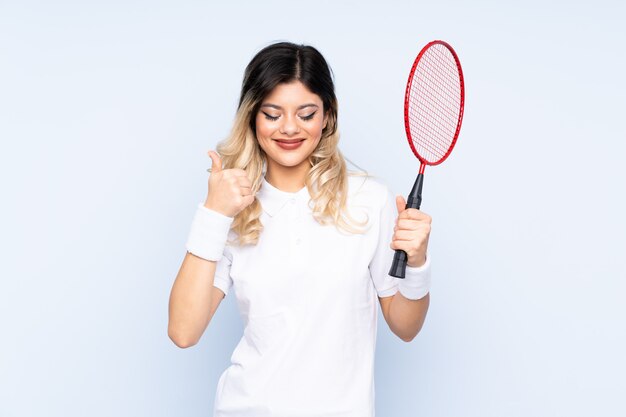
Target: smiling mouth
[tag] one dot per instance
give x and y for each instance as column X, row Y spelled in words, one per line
column 289, row 140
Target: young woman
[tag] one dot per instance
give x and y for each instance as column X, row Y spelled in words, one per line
column 306, row 245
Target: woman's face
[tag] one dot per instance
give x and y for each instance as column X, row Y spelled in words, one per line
column 289, row 125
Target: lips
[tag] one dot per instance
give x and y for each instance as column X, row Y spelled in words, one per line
column 289, row 144
column 288, row 141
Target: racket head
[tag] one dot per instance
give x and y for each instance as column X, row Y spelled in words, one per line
column 434, row 102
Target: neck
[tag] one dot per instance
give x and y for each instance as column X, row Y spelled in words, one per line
column 288, row 179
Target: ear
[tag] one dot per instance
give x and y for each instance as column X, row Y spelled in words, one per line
column 325, row 120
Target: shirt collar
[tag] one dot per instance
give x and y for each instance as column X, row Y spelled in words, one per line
column 272, row 199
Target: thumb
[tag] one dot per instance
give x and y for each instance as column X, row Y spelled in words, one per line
column 216, row 162
column 400, row 203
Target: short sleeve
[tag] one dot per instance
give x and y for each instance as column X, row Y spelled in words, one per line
column 380, row 264
column 222, row 279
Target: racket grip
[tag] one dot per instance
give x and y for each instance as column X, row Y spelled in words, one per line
column 398, row 266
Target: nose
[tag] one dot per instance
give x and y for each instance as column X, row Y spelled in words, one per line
column 289, row 126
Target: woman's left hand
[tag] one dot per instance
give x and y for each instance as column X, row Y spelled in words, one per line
column 411, row 233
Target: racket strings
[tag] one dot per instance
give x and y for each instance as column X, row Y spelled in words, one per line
column 446, row 86
column 434, row 121
column 434, row 103
column 443, row 85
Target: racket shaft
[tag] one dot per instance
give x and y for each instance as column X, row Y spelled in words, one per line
column 398, row 266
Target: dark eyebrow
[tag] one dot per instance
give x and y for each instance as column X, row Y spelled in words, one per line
column 277, row 107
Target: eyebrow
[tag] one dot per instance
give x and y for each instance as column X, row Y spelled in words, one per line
column 277, row 107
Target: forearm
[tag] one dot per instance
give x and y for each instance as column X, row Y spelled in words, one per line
column 190, row 300
column 407, row 316
column 193, row 295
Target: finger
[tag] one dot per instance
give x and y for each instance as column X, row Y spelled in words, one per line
column 400, row 203
column 251, row 193
column 405, row 245
column 216, row 161
column 410, row 224
column 405, row 235
column 401, row 245
column 421, row 229
column 248, row 199
column 237, row 172
column 243, row 185
column 244, row 190
column 244, row 181
column 238, row 185
column 235, row 175
column 414, row 214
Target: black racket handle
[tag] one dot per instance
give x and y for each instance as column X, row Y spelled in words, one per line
column 398, row 267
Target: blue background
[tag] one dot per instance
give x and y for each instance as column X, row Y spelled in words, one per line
column 107, row 110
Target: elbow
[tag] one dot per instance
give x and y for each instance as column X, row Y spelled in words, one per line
column 406, row 334
column 182, row 341
column 183, row 344
column 407, row 339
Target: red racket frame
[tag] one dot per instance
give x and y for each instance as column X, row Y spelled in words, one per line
column 424, row 162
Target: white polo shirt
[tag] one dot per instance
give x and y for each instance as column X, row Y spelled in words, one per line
column 307, row 295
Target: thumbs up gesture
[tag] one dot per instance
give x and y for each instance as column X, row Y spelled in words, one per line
column 230, row 190
column 411, row 233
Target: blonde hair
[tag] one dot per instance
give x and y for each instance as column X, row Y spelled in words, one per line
column 326, row 181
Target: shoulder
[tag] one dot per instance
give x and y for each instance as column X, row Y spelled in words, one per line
column 368, row 189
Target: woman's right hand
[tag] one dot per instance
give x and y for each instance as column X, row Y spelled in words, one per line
column 230, row 190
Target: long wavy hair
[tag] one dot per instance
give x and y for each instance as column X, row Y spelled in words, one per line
column 327, row 179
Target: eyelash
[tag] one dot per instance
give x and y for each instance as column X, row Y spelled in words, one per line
column 305, row 118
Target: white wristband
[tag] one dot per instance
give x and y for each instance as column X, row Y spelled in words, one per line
column 416, row 281
column 209, row 231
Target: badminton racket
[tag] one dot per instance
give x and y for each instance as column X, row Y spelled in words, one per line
column 433, row 111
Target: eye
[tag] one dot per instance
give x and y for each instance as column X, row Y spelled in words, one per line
column 272, row 118
column 309, row 117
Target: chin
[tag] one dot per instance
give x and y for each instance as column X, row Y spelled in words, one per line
column 290, row 162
